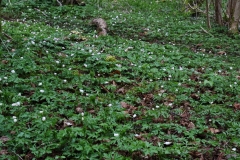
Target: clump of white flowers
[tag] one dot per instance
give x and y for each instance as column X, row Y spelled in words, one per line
column 134, row 116
column 43, row 118
column 82, row 116
column 116, row 134
column 16, row 104
column 14, row 119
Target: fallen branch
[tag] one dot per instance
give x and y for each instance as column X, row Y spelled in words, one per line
column 206, row 31
column 6, row 35
column 60, row 4
column 40, row 11
column 105, row 89
column 196, row 9
column 17, row 155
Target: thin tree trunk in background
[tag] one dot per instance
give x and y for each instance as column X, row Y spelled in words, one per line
column 208, row 18
column 207, row 13
column 0, row 17
column 233, row 12
column 218, row 12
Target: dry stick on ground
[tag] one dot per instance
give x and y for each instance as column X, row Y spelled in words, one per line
column 206, row 31
column 196, row 9
column 9, row 37
column 60, row 4
column 17, row 155
column 40, row 11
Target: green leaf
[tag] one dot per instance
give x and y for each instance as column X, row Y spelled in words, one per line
column 206, row 83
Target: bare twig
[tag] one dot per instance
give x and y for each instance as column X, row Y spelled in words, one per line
column 60, row 4
column 196, row 9
column 9, row 2
column 105, row 89
column 40, row 11
column 17, row 155
column 9, row 37
column 206, row 31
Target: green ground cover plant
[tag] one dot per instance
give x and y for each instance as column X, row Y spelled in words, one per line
column 156, row 87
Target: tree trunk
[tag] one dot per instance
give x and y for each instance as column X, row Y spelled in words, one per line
column 218, row 12
column 208, row 18
column 233, row 12
column 0, row 17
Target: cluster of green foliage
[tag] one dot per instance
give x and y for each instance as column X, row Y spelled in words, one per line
column 157, row 87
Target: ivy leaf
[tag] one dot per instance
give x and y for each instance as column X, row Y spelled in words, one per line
column 206, row 82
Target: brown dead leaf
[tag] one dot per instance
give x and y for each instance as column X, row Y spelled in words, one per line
column 124, row 104
column 191, row 125
column 130, row 108
column 161, row 91
column 199, row 45
column 195, row 96
column 3, row 152
column 67, row 123
column 170, row 104
column 158, row 120
column 114, row 83
column 140, row 136
column 186, row 105
column 194, row 77
column 220, row 156
column 185, row 115
column 33, row 85
column 155, row 140
column 92, row 111
column 29, row 156
column 79, row 110
column 236, row 106
column 61, row 54
column 121, row 90
column 214, row 130
column 4, row 139
column 4, row 61
column 221, row 53
column 114, row 72
column 125, row 112
column 147, row 100
column 195, row 154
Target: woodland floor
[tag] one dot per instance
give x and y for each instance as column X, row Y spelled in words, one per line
column 158, row 86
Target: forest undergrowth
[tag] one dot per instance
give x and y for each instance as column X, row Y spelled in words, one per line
column 157, row 86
